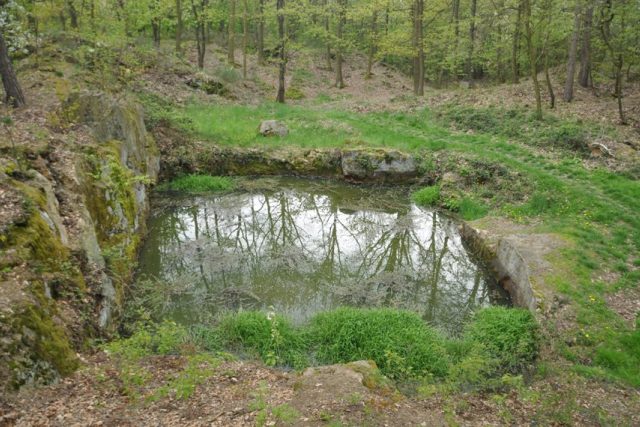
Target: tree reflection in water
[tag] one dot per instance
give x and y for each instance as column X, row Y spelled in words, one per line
column 308, row 247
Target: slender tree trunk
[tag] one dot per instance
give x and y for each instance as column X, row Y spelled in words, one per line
column 472, row 40
column 327, row 28
column 515, row 65
column 418, row 47
column 386, row 21
column 245, row 37
column 282, row 67
column 455, row 12
column 547, row 5
column 618, row 89
column 552, row 95
column 73, row 14
column 573, row 50
column 585, row 50
column 200, row 27
column 339, row 34
column 499, row 59
column 372, row 44
column 231, row 53
column 607, row 16
column 532, row 57
column 63, row 20
column 179, row 27
column 155, row 27
column 260, row 41
column 12, row 89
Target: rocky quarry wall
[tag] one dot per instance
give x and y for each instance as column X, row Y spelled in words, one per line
column 69, row 233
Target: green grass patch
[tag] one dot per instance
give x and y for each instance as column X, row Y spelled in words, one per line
column 158, row 339
column 571, row 135
column 200, row 184
column 268, row 337
column 620, row 356
column 508, row 336
column 400, row 343
column 427, row 196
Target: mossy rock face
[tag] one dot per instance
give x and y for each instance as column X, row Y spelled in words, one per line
column 34, row 346
column 62, row 280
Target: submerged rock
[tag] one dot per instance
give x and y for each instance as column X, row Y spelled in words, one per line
column 273, row 128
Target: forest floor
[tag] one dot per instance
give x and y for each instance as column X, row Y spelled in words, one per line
column 597, row 278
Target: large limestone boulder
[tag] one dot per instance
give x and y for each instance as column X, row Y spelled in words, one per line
column 273, row 128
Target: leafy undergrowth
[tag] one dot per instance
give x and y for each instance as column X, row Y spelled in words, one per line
column 199, row 184
column 496, row 342
column 521, row 124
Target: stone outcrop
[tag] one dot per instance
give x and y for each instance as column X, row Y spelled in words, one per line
column 76, row 214
column 378, row 165
column 354, row 165
column 518, row 258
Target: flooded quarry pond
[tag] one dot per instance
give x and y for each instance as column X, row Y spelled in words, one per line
column 298, row 247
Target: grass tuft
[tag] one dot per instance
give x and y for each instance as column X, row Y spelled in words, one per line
column 400, row 343
column 427, row 196
column 200, row 184
column 507, row 335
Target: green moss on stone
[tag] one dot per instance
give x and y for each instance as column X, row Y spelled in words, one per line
column 50, row 343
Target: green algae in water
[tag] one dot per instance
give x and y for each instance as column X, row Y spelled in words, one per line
column 299, row 247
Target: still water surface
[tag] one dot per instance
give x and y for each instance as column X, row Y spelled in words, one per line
column 299, row 247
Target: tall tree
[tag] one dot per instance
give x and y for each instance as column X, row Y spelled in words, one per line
column 179, row 27
column 515, row 65
column 73, row 13
column 245, row 36
column 615, row 45
column 342, row 19
column 472, row 40
column 573, row 53
column 260, row 33
column 533, row 56
column 584, row 76
column 282, row 66
column 156, row 20
column 327, row 29
column 199, row 10
column 231, row 48
column 548, row 13
column 373, row 34
column 418, row 47
column 12, row 89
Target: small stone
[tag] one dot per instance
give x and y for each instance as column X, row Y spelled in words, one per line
column 273, row 128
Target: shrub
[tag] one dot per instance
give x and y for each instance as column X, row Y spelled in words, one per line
column 158, row 110
column 427, row 196
column 400, row 343
column 163, row 339
column 295, row 93
column 507, row 335
column 567, row 135
column 268, row 336
column 200, row 184
column 227, row 74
